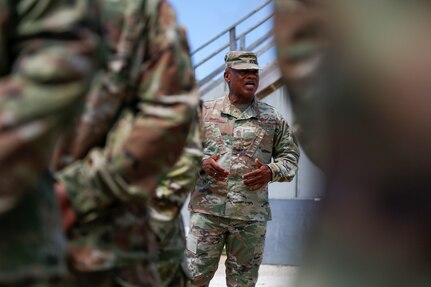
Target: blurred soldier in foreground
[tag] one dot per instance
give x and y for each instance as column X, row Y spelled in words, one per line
column 166, row 220
column 133, row 130
column 46, row 52
column 359, row 73
column 230, row 203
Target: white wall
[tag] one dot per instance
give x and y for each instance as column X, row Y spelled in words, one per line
column 309, row 178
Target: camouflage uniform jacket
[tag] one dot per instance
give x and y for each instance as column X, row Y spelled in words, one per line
column 259, row 132
column 46, row 65
column 143, row 107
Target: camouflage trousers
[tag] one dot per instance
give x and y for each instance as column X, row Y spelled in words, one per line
column 32, row 244
column 244, row 242
column 171, row 242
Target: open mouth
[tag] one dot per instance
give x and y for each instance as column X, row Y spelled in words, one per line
column 250, row 84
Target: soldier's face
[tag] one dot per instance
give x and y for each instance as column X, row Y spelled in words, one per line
column 242, row 83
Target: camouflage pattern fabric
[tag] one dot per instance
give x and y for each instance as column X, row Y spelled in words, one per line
column 244, row 246
column 228, row 212
column 241, row 137
column 166, row 220
column 171, row 246
column 176, row 185
column 46, row 66
column 359, row 73
column 139, row 114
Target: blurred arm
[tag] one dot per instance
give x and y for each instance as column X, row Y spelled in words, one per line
column 47, row 48
column 180, row 180
column 151, row 131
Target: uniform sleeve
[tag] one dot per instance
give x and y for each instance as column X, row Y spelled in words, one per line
column 47, row 52
column 149, row 137
column 285, row 153
column 175, row 186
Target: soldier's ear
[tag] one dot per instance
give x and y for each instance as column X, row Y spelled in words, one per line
column 226, row 76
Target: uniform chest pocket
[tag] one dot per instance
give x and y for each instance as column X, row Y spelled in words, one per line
column 214, row 138
column 247, row 140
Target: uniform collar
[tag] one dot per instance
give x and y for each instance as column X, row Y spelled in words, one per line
column 228, row 108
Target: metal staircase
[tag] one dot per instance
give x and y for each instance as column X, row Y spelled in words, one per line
column 254, row 33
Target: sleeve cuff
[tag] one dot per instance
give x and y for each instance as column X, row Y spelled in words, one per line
column 275, row 171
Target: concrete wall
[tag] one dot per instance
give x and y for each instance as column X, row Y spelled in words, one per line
column 293, row 204
column 309, row 178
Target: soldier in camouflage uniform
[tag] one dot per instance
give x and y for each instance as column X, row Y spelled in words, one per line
column 359, row 75
column 133, row 130
column 46, row 65
column 166, row 220
column 230, row 203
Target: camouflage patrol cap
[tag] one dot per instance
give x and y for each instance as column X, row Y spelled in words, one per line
column 241, row 60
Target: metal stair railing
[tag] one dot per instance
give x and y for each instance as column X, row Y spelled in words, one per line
column 262, row 44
